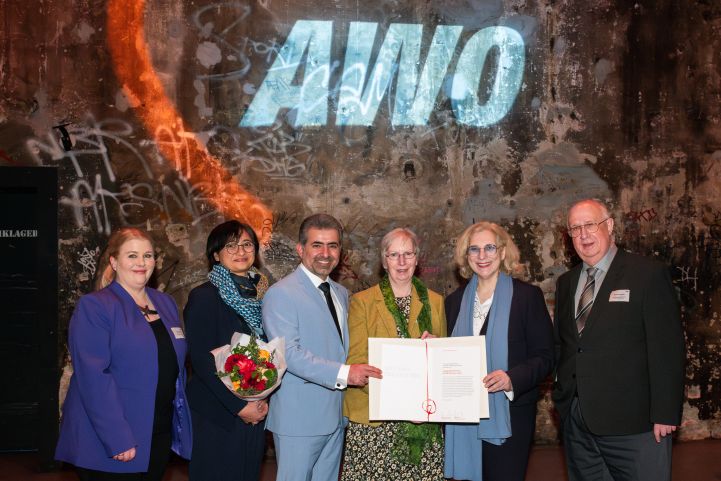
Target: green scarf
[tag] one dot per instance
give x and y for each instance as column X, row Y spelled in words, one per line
column 411, row 439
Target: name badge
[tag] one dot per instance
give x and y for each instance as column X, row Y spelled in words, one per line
column 178, row 332
column 621, row 295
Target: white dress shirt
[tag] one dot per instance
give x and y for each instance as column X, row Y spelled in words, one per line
column 342, row 378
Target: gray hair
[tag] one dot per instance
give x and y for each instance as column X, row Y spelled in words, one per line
column 395, row 234
column 602, row 205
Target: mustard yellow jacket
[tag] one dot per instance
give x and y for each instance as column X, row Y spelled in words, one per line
column 368, row 316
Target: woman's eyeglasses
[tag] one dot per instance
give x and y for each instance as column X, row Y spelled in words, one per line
column 490, row 249
column 233, row 247
column 394, row 256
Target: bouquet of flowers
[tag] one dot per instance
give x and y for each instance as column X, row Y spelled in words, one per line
column 250, row 368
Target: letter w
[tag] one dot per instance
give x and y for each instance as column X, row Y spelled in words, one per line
column 359, row 99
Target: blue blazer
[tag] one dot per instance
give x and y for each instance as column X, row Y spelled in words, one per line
column 307, row 402
column 110, row 403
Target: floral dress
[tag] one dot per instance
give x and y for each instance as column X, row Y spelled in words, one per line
column 369, row 449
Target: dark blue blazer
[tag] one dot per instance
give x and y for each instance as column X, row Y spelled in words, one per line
column 530, row 339
column 110, row 403
column 210, row 323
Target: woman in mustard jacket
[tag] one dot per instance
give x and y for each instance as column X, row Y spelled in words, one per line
column 399, row 306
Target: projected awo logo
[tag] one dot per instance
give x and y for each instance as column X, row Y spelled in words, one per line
column 416, row 88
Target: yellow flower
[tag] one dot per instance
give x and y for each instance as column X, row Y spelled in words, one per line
column 236, row 385
column 264, row 355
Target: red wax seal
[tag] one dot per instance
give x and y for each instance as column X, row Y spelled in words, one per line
column 429, row 406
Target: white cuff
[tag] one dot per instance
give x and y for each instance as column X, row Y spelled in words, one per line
column 342, row 379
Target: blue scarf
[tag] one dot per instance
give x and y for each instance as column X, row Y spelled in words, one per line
column 248, row 308
column 464, row 442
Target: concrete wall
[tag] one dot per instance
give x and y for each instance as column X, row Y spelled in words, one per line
column 615, row 100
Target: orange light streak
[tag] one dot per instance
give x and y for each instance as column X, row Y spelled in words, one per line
column 134, row 69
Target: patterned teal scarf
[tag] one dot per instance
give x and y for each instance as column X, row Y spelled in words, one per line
column 248, row 308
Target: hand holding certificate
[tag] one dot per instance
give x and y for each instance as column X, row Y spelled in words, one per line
column 431, row 380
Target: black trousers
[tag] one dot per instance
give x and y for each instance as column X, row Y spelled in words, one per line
column 214, row 447
column 159, row 456
column 628, row 457
column 508, row 462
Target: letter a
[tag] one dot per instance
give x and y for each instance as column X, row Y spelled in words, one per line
column 277, row 92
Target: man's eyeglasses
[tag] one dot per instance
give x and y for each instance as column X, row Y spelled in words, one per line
column 490, row 249
column 591, row 228
column 394, row 256
column 232, row 247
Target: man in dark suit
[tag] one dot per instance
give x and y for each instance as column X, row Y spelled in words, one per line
column 310, row 311
column 620, row 357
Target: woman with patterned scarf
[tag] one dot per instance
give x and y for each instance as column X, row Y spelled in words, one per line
column 225, row 429
column 513, row 317
column 399, row 306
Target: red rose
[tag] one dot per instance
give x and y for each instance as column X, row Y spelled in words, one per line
column 269, row 365
column 231, row 361
column 260, row 385
column 245, row 366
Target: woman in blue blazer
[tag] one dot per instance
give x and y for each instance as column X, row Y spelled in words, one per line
column 225, row 428
column 513, row 317
column 125, row 408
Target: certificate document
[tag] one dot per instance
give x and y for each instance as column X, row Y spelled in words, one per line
column 433, row 380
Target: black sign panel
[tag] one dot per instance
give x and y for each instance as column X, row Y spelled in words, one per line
column 28, row 309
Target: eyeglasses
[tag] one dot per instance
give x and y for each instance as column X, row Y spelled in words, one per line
column 233, row 247
column 490, row 249
column 394, row 256
column 591, row 228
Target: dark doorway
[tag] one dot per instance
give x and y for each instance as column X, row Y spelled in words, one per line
column 29, row 310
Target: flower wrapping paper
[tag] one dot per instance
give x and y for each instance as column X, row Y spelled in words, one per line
column 276, row 347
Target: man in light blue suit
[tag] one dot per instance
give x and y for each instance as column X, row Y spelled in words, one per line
column 310, row 311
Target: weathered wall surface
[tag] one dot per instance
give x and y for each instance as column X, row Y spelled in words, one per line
column 166, row 105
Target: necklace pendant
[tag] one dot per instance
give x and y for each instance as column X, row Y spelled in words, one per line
column 147, row 311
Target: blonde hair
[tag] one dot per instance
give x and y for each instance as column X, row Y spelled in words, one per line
column 511, row 263
column 106, row 274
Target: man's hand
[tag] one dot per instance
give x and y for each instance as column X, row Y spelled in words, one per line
column 428, row 335
column 359, row 373
column 498, row 381
column 662, row 430
column 254, row 412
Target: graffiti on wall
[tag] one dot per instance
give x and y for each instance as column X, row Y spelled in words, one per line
column 134, row 69
column 98, row 198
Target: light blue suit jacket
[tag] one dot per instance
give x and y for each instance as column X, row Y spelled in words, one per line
column 307, row 402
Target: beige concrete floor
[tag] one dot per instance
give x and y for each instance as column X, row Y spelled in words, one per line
column 692, row 461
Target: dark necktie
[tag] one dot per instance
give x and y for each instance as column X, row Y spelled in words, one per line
column 586, row 300
column 325, row 287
